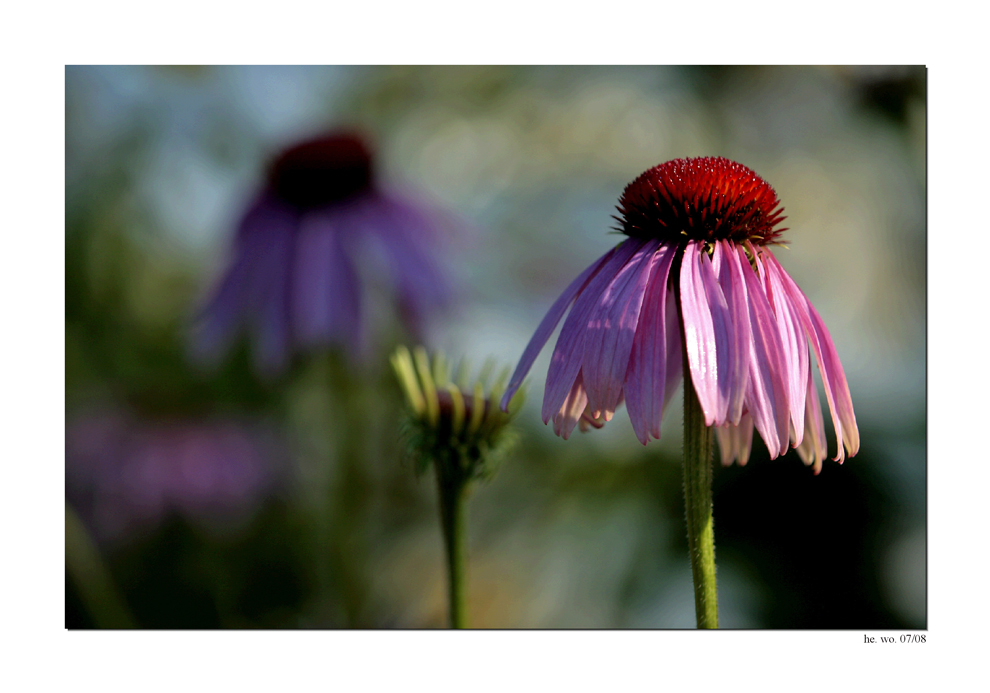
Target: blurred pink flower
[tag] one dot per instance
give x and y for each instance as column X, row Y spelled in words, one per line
column 315, row 237
column 125, row 473
column 696, row 270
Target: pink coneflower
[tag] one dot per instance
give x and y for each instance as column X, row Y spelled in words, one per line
column 318, row 233
column 695, row 273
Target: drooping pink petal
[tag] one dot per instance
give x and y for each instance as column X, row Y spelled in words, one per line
column 833, row 377
column 811, row 448
column 611, row 328
column 837, row 389
column 766, row 397
column 646, row 379
column 699, row 334
column 793, row 340
column 572, row 410
column 548, row 324
column 733, row 284
column 569, row 351
column 707, row 331
column 735, row 441
column 675, row 352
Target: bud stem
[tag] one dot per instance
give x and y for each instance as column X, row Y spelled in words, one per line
column 698, row 504
column 452, row 487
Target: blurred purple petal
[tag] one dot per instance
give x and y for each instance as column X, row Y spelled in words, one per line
column 326, row 301
column 270, row 293
column 419, row 284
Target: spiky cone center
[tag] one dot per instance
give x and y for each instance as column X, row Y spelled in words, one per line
column 321, row 171
column 701, row 199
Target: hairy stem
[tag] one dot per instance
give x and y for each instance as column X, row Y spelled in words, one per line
column 698, row 505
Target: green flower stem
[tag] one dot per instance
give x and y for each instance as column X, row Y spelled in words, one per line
column 350, row 491
column 92, row 578
column 698, row 505
column 452, row 485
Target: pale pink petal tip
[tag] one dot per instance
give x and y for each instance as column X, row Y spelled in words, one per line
column 735, row 442
column 566, row 360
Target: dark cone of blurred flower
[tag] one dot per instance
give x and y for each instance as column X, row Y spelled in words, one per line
column 695, row 273
column 453, row 420
column 315, row 238
column 126, row 474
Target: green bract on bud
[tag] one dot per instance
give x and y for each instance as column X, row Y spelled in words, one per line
column 454, row 420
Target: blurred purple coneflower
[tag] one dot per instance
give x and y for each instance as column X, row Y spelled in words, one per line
column 297, row 278
column 125, row 473
column 695, row 273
